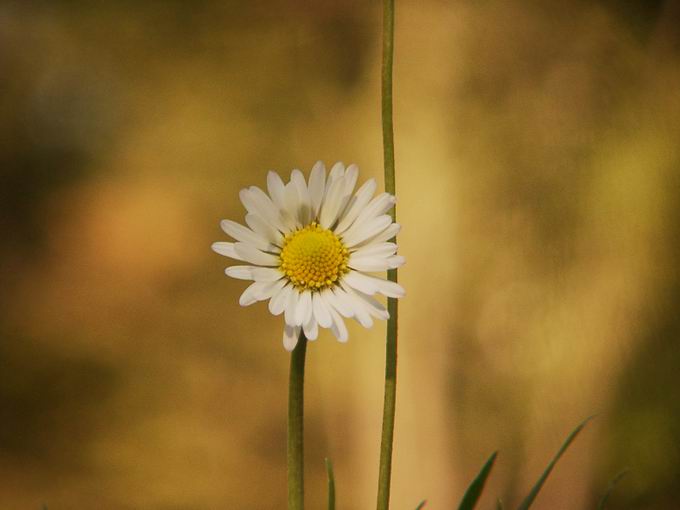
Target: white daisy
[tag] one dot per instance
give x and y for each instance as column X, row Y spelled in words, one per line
column 310, row 245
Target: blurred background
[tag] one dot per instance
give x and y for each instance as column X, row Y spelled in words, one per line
column 538, row 183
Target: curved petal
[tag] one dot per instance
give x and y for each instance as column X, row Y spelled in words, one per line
column 361, row 313
column 389, row 233
column 266, row 230
column 371, row 285
column 266, row 274
column 396, row 261
column 338, row 327
column 226, row 249
column 304, row 209
column 337, row 171
column 243, row 234
column 356, row 205
column 332, row 202
column 374, row 307
column 291, row 198
column 257, row 202
column 275, row 188
column 311, row 329
column 321, row 312
column 260, row 291
column 351, row 176
column 290, row 337
column 240, row 272
column 338, row 299
column 317, row 186
column 248, row 296
column 379, row 205
column 361, row 231
column 251, row 254
column 376, row 250
column 278, row 302
column 370, row 264
column 303, row 311
column 291, row 307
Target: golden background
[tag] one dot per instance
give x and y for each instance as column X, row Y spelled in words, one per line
column 539, row 193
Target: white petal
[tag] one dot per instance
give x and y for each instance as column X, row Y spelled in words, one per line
column 371, row 285
column 376, row 250
column 332, row 202
column 356, row 205
column 389, row 233
column 376, row 257
column 337, row 171
column 266, row 274
column 304, row 212
column 311, row 329
column 338, row 327
column 379, row 205
column 279, row 300
column 303, row 312
column 260, row 291
column 370, row 264
column 275, row 188
column 321, row 312
column 291, row 334
column 351, row 175
column 291, row 197
column 267, row 231
column 291, row 307
column 317, row 186
column 251, row 254
column 374, row 307
column 240, row 272
column 279, row 215
column 241, row 233
column 248, row 296
column 361, row 231
column 361, row 313
column 338, row 299
column 257, row 202
column 226, row 249
column 396, row 261
column 389, row 289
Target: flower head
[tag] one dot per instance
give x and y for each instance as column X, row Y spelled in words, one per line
column 310, row 245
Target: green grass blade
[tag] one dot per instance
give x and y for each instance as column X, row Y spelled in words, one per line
column 421, row 505
column 499, row 504
column 534, row 491
column 610, row 488
column 331, row 484
column 477, row 486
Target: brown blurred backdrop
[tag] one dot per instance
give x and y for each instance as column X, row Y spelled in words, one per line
column 538, row 164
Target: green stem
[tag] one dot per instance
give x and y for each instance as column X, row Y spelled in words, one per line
column 389, row 404
column 296, row 382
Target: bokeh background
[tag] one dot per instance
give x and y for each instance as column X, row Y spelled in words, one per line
column 538, row 184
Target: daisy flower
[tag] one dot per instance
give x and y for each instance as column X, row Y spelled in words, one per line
column 309, row 246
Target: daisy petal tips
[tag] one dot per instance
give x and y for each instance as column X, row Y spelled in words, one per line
column 308, row 246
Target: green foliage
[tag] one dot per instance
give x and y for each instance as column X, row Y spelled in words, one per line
column 331, row 484
column 537, row 487
column 475, row 489
column 421, row 505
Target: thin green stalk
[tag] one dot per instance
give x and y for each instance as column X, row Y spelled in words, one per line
column 331, row 484
column 387, row 440
column 296, row 382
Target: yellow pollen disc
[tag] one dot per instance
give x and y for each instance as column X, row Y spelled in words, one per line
column 313, row 258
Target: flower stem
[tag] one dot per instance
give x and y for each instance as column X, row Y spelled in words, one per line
column 389, row 404
column 296, row 381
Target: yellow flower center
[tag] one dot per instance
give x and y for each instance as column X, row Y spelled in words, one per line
column 313, row 257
